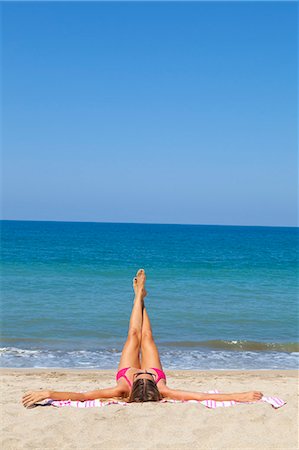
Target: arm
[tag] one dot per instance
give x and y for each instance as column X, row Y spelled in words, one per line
column 32, row 397
column 176, row 394
column 91, row 395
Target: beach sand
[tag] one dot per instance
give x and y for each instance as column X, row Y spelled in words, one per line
column 151, row 425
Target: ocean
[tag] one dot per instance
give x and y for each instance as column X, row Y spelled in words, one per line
column 219, row 297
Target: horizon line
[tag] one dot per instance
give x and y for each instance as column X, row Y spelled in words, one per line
column 149, row 223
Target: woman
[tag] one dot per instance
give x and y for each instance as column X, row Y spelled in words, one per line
column 138, row 380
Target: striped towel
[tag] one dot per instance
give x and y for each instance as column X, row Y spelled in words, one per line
column 273, row 401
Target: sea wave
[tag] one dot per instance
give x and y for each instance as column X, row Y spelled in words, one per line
column 172, row 358
column 239, row 345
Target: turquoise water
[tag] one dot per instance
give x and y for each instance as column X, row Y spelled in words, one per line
column 219, row 297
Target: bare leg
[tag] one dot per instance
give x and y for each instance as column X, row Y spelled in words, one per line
column 130, row 353
column 149, row 352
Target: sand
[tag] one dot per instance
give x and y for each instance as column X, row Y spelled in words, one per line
column 151, row 425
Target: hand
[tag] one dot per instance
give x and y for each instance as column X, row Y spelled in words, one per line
column 32, row 397
column 252, row 396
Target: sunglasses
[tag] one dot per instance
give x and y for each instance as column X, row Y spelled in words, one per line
column 144, row 373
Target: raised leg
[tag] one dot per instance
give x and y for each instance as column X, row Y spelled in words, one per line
column 149, row 352
column 131, row 349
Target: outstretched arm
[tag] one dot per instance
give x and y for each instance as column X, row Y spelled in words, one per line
column 176, row 394
column 32, row 397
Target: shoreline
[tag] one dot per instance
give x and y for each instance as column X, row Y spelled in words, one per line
column 289, row 372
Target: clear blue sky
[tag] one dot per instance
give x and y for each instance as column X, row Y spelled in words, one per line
column 150, row 112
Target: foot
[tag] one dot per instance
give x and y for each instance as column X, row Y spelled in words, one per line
column 252, row 396
column 139, row 283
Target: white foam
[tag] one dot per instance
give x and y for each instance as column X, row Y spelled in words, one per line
column 171, row 358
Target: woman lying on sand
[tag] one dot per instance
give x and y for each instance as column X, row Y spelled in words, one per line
column 138, row 380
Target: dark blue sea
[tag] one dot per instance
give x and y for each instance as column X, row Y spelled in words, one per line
column 219, row 297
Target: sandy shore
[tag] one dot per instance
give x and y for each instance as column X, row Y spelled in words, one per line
column 149, row 426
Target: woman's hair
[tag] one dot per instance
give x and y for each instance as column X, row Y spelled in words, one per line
column 144, row 390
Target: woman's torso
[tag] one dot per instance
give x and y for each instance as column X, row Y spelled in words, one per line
column 128, row 374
